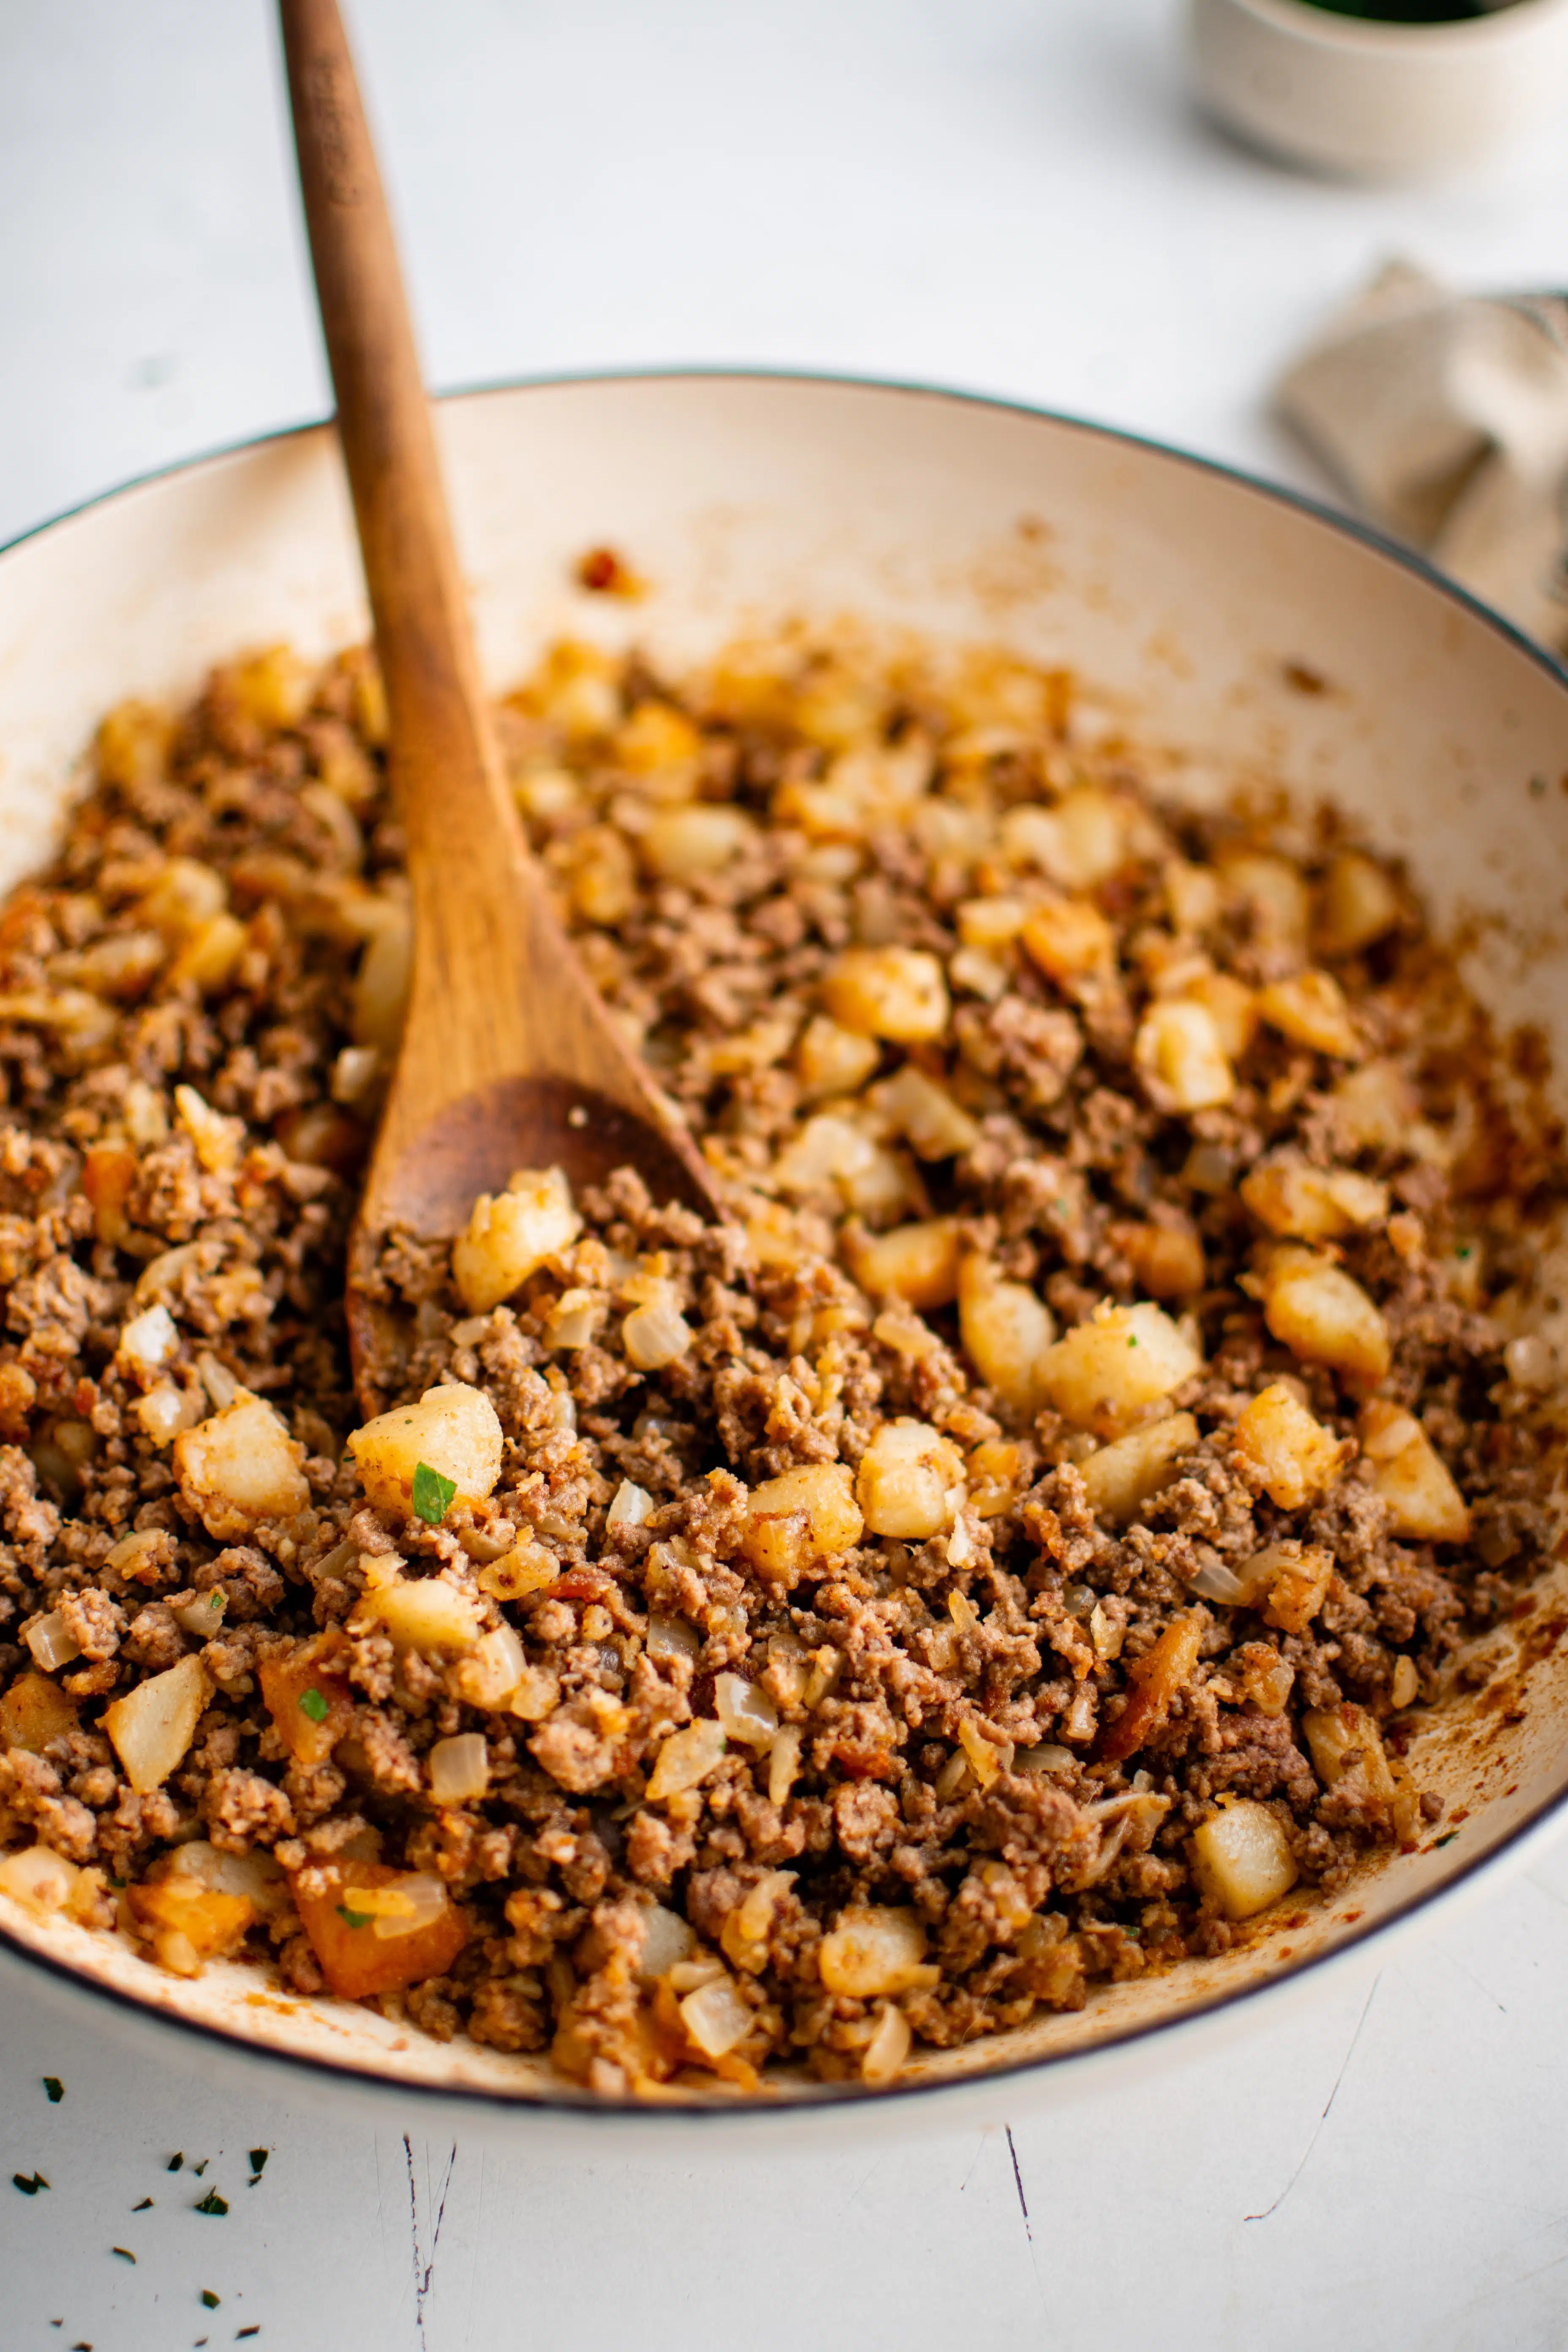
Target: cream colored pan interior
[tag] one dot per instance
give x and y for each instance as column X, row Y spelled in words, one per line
column 1180, row 594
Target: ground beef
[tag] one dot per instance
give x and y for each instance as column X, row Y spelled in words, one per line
column 806, row 1613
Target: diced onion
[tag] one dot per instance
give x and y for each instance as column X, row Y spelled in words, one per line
column 149, row 1339
column 50, row 1643
column 784, row 1763
column 745, row 1710
column 686, row 1758
column 631, row 1507
column 889, row 2048
column 38, row 1878
column 672, row 1637
column 460, row 1768
column 716, row 2017
column 666, row 1942
column 422, row 1899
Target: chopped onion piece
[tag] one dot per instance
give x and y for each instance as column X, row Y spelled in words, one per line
column 460, row 1768
column 51, row 1643
column 686, row 1758
column 632, row 1506
column 666, row 1942
column 38, row 1878
column 149, row 1339
column 672, row 1637
column 889, row 2048
column 421, row 1901
column 745, row 1710
column 716, row 2017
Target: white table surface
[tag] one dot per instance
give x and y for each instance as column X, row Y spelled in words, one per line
column 1013, row 196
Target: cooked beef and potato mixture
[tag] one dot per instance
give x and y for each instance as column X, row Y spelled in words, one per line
column 1006, row 1557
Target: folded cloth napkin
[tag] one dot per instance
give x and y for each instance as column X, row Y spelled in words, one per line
column 1446, row 417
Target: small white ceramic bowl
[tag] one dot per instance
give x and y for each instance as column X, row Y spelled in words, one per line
column 1373, row 100
column 1199, row 606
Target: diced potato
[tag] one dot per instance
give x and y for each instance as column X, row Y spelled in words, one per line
column 1167, row 1261
column 604, row 876
column 656, row 739
column 165, row 1411
column 1007, row 1330
column 254, row 1875
column 575, row 688
column 828, row 1151
column 1275, row 897
column 511, row 1234
column 992, row 923
column 43, row 1882
column 1070, row 939
column 886, row 1188
column 1192, row 895
column 917, row 1263
column 188, row 1923
column 1092, row 827
column 453, row 1430
column 1178, row 1056
column 829, row 1060
column 681, row 842
column 149, row 1340
column 997, row 1472
column 240, row 1468
column 1155, row 1680
column 1424, row 1503
column 900, row 994
column 154, row 1725
column 1281, row 1447
column 133, row 745
column 1357, row 903
column 312, row 1706
column 801, row 1518
column 873, row 1951
column 924, row 1114
column 1374, row 1108
column 1105, row 1374
column 364, row 1950
column 906, row 1480
column 1314, row 1204
column 1314, row 1308
column 1310, row 1008
column 1121, row 1476
column 424, row 1614
column 1230, row 1005
column 273, row 687
column 33, row 1712
column 1300, row 1575
column 1242, row 1860
column 685, row 1760
column 1348, row 1754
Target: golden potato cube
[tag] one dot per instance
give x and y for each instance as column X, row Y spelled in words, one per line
column 240, row 1468
column 886, row 1188
column 1167, row 1261
column 800, row 1518
column 422, row 1614
column 134, row 745
column 1281, row 1447
column 1357, row 903
column 511, row 1234
column 154, row 1725
column 874, row 1951
column 1275, row 901
column 1407, row 1471
column 1310, row 1008
column 1314, row 1308
column 829, row 1060
column 1192, row 897
column 656, row 739
column 917, row 1263
column 905, row 1481
column 1314, row 1204
column 997, row 1472
column 1373, row 1109
column 1230, row 1005
column 1155, row 1680
column 993, row 922
column 828, row 1151
column 33, row 1712
column 681, row 842
column 1104, row 1375
column 603, row 882
column 1007, row 1330
column 1178, row 1056
column 1121, row 1476
column 1242, row 1860
column 924, row 1114
column 453, row 1430
column 900, row 994
column 1070, row 939
column 274, row 688
column 1093, row 830
column 1300, row 1587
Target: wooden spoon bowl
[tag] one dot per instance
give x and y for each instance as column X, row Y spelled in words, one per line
column 509, row 1059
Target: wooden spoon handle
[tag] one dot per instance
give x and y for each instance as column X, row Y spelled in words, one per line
column 474, row 887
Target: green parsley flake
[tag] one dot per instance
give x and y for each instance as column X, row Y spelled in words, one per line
column 28, row 2188
column 211, row 2203
column 55, row 2088
column 241, row 2333
column 432, row 1494
column 175, row 2163
column 210, row 2299
column 144, row 2206
column 1447, row 1838
column 312, row 1704
column 353, row 1918
column 259, row 2156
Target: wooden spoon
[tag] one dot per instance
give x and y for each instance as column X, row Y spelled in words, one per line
column 508, row 1058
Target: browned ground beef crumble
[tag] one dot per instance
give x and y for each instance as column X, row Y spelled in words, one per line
column 951, row 1701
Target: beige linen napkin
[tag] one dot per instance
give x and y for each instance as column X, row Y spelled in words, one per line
column 1445, row 417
